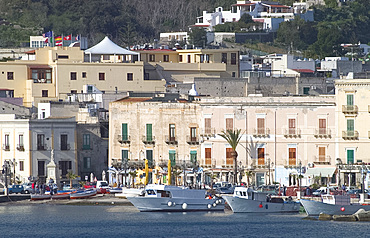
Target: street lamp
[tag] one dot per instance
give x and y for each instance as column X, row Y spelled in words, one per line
column 364, row 171
column 5, row 171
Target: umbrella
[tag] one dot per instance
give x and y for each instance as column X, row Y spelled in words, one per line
column 91, row 177
column 146, row 172
column 169, row 172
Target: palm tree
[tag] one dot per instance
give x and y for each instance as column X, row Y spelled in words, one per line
column 70, row 175
column 133, row 175
column 233, row 137
column 176, row 174
column 249, row 175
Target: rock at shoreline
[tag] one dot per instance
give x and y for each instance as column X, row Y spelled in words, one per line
column 362, row 215
column 325, row 217
column 344, row 218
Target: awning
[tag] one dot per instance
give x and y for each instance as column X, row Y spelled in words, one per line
column 323, row 172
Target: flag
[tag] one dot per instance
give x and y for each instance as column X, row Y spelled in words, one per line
column 58, row 43
column 67, row 37
column 58, row 38
column 46, row 40
column 48, row 34
column 77, row 37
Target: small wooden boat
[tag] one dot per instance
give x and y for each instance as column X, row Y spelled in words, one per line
column 62, row 195
column 37, row 196
column 83, row 194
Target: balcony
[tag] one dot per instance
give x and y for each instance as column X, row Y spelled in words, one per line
column 292, row 163
column 65, row 147
column 192, row 140
column 6, row 147
column 292, row 133
column 322, row 159
column 209, row 163
column 228, row 163
column 41, row 147
column 261, row 132
column 208, row 132
column 322, row 133
column 149, row 140
column 350, row 109
column 171, row 140
column 350, row 135
column 20, row 147
column 124, row 139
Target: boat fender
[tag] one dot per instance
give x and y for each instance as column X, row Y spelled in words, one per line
column 214, row 204
column 342, row 209
column 169, row 203
column 267, row 206
column 184, row 206
column 209, row 206
column 260, row 206
column 216, row 201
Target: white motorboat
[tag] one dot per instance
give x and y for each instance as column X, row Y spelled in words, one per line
column 249, row 201
column 129, row 192
column 172, row 198
column 333, row 205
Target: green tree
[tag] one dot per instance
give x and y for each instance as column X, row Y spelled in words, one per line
column 71, row 176
column 233, row 138
column 133, row 175
column 198, row 37
column 249, row 175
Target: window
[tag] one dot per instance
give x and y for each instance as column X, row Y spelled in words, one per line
column 87, row 162
column 124, row 155
column 89, row 89
column 193, row 156
column 146, row 76
column 261, row 126
column 207, row 125
column 151, row 58
column 166, row 58
column 41, row 75
column 73, row 76
column 261, row 156
column 306, row 90
column 350, row 127
column 10, row 75
column 180, row 58
column 83, row 74
column 41, row 142
column 149, row 157
column 149, row 136
column 229, row 157
column 193, row 134
column 224, row 58
column 101, row 76
column 21, row 165
column 64, row 142
column 229, row 124
column 292, row 156
column 41, row 168
column 20, row 143
column 6, row 143
column 106, row 57
column 189, row 58
column 349, row 99
column 233, row 74
column 322, row 154
column 322, row 126
column 172, row 157
column 73, row 91
column 44, row 93
column 292, row 129
column 130, row 76
column 63, row 56
column 124, row 132
column 350, row 156
column 86, row 141
column 64, row 166
column 172, row 132
column 233, row 58
column 208, row 156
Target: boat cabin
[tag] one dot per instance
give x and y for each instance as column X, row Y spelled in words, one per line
column 154, row 190
column 336, row 199
column 248, row 193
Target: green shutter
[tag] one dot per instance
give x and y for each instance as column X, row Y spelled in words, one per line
column 149, row 157
column 350, row 125
column 172, row 157
column 349, row 99
column 124, row 154
column 350, row 156
column 193, row 156
column 124, row 131
column 149, row 132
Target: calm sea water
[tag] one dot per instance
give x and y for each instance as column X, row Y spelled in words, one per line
column 45, row 220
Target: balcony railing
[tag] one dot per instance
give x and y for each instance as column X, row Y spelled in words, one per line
column 261, row 132
column 322, row 133
column 350, row 109
column 208, row 132
column 292, row 132
column 228, row 163
column 350, row 135
column 192, row 140
column 41, row 147
column 123, row 139
column 20, row 147
column 322, row 159
column 171, row 140
column 209, row 163
column 148, row 139
column 6, row 147
column 65, row 147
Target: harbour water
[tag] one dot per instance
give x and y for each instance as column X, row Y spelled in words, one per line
column 48, row 220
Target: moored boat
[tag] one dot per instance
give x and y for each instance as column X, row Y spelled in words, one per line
column 83, row 194
column 37, row 196
column 247, row 200
column 61, row 195
column 172, row 198
column 129, row 192
column 332, row 205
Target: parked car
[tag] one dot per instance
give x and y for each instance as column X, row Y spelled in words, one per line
column 27, row 188
column 320, row 191
column 16, row 189
column 90, row 185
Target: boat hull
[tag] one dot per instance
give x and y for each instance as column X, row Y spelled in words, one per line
column 83, row 194
column 242, row 205
column 35, row 197
column 314, row 208
column 166, row 204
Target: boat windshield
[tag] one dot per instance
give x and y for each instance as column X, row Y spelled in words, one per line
column 150, row 192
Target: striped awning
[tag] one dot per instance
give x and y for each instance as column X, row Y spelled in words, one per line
column 323, row 172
